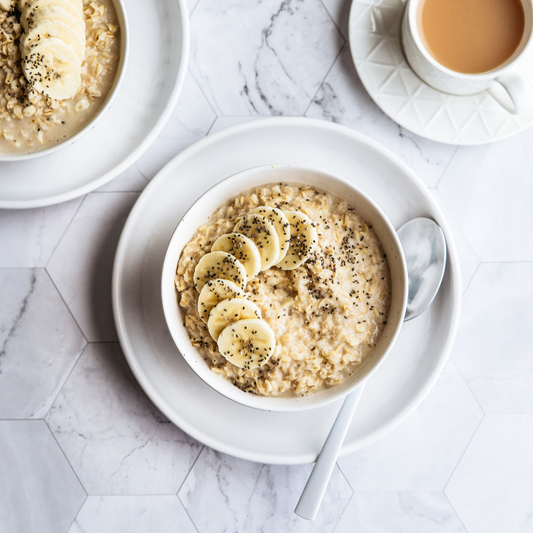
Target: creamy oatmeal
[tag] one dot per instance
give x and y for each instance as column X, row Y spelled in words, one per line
column 327, row 315
column 30, row 120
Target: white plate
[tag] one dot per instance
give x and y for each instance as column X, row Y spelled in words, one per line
column 394, row 391
column 152, row 82
column 375, row 41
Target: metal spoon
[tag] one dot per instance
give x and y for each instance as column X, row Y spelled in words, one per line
column 424, row 248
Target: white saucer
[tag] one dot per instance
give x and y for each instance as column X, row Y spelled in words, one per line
column 152, row 82
column 377, row 52
column 283, row 438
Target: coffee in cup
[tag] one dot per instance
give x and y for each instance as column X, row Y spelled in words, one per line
column 471, row 36
column 464, row 47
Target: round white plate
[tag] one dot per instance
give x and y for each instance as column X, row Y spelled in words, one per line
column 375, row 42
column 394, row 391
column 154, row 75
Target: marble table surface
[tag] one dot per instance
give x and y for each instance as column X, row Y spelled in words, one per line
column 82, row 449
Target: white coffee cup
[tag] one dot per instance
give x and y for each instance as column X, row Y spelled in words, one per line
column 505, row 83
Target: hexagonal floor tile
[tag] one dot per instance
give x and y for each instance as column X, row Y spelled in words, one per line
column 343, row 99
column 496, row 309
column 468, row 259
column 492, row 488
column 132, row 514
column 115, row 438
column 268, row 59
column 421, row 454
column 399, row 512
column 35, row 494
column 489, row 190
column 189, row 122
column 28, row 236
column 82, row 264
column 39, row 343
column 247, row 496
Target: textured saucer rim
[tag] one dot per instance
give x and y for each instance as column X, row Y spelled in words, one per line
column 432, row 134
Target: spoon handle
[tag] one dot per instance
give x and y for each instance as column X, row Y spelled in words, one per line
column 318, row 480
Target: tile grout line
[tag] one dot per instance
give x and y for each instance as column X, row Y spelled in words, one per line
column 350, row 499
column 181, row 486
column 193, row 9
column 456, row 513
column 201, row 89
column 186, row 512
column 333, row 20
column 449, row 163
column 210, row 127
column 344, row 45
column 190, row 470
column 67, row 306
column 66, row 229
column 68, row 462
column 473, row 276
column 462, row 455
column 65, row 381
column 468, row 386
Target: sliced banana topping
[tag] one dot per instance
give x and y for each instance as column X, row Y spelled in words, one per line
column 213, row 292
column 262, row 232
column 263, row 238
column 53, row 69
column 281, row 225
column 69, row 16
column 302, row 242
column 243, row 248
column 52, row 28
column 219, row 265
column 229, row 311
column 247, row 343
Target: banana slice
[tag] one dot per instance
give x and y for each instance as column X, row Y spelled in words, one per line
column 281, row 225
column 262, row 232
column 7, row 5
column 69, row 16
column 230, row 311
column 45, row 28
column 303, row 240
column 247, row 343
column 213, row 292
column 53, row 69
column 243, row 248
column 24, row 4
column 219, row 265
column 78, row 4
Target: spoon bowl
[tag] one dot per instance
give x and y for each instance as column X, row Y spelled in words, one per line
column 424, row 247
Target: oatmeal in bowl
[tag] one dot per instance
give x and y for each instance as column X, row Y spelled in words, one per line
column 61, row 63
column 284, row 288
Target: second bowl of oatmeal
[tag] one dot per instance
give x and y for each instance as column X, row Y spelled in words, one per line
column 61, row 65
column 306, row 330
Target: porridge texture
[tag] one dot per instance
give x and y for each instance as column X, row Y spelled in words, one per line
column 30, row 120
column 327, row 315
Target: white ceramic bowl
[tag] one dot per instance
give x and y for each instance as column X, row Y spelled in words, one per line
column 247, row 181
column 121, row 68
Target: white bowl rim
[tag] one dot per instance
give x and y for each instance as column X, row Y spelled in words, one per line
column 272, row 403
column 109, row 99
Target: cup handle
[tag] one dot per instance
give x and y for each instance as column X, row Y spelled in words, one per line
column 517, row 97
